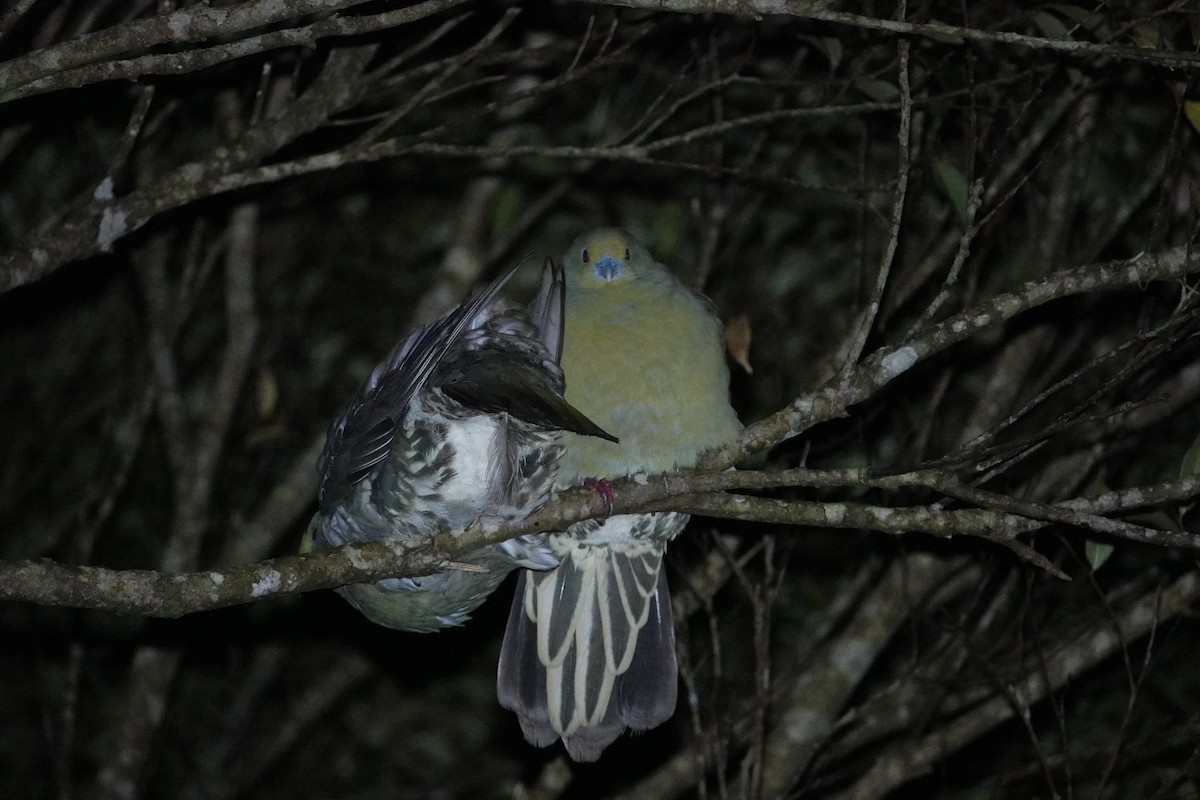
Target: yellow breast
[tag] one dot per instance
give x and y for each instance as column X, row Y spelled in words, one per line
column 647, row 363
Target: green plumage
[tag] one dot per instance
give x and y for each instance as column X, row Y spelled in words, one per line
column 589, row 650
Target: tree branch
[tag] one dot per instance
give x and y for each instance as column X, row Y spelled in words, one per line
column 939, row 31
column 166, row 594
column 92, row 57
column 891, row 361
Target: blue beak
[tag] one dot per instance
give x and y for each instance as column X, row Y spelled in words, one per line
column 607, row 268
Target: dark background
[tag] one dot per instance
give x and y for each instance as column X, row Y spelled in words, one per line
column 164, row 392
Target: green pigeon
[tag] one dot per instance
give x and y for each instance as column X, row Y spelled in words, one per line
column 590, row 646
column 462, row 420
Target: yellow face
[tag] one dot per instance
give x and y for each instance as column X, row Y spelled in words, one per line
column 607, row 256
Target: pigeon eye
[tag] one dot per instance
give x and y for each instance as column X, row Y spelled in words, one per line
column 584, row 255
column 626, row 253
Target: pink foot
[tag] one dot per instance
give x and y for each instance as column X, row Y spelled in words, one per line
column 602, row 488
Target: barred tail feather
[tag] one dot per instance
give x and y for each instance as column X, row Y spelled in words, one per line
column 646, row 693
column 590, row 650
column 625, row 604
column 521, row 679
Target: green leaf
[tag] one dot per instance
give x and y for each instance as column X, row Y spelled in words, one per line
column 1050, row 25
column 954, row 184
column 1190, row 465
column 833, row 50
column 877, row 90
column 1097, row 553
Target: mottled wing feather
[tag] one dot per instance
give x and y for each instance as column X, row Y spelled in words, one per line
column 361, row 437
column 373, row 448
column 529, row 550
column 504, row 455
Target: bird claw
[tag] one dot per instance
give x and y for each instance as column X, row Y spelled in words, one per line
column 605, row 491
